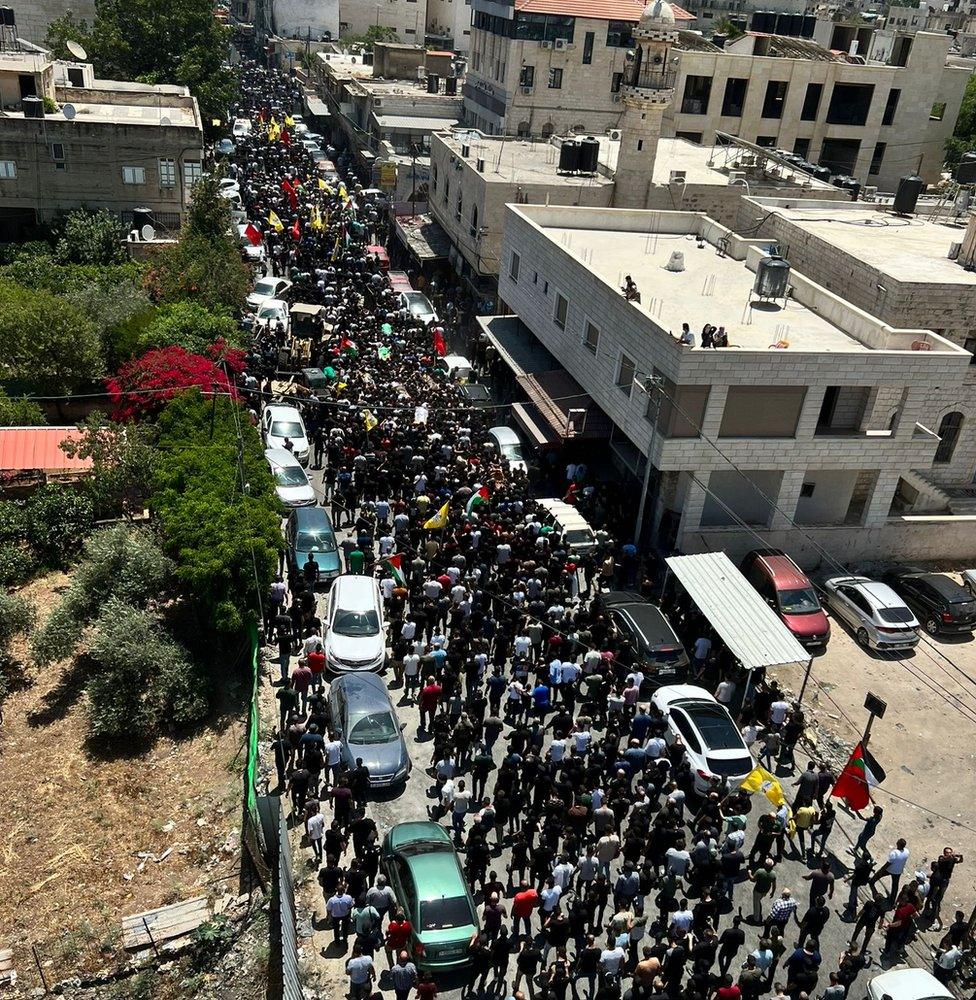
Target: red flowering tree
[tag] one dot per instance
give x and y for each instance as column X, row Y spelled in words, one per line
column 144, row 385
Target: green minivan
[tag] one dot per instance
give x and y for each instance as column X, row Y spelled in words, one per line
column 423, row 868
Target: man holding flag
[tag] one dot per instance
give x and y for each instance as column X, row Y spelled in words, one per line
column 439, row 520
column 479, row 497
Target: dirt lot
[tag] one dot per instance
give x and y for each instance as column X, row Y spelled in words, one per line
column 74, row 823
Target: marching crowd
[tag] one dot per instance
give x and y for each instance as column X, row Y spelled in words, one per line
column 595, row 865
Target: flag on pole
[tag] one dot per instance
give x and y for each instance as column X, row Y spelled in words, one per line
column 253, row 234
column 289, row 120
column 477, row 498
column 369, row 420
column 396, row 569
column 285, row 136
column 290, row 192
column 275, row 221
column 439, row 344
column 296, row 229
column 439, row 520
column 383, row 353
column 855, row 782
column 760, row 780
column 321, row 184
column 274, row 131
column 348, row 347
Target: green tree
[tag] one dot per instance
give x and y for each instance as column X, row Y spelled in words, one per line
column 45, row 341
column 201, row 270
column 20, row 412
column 208, row 214
column 374, row 33
column 91, row 238
column 963, row 137
column 57, row 520
column 64, row 29
column 16, row 618
column 190, row 326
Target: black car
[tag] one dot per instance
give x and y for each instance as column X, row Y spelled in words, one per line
column 940, row 604
column 476, row 394
column 650, row 634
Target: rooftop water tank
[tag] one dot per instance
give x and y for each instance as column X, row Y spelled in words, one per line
column 589, row 155
column 569, row 157
column 906, row 197
column 772, row 278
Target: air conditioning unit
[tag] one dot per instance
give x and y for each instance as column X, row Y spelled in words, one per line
column 614, row 133
column 678, row 176
column 560, row 44
column 546, row 45
column 615, row 98
column 736, row 177
column 527, row 90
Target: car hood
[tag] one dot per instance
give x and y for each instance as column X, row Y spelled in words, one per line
column 328, row 561
column 383, row 759
column 360, row 647
column 814, row 623
column 296, row 496
column 299, row 443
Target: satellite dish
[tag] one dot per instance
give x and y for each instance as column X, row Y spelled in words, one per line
column 77, row 50
column 147, row 233
column 69, row 111
column 165, row 121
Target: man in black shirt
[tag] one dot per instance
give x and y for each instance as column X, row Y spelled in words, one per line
column 729, row 943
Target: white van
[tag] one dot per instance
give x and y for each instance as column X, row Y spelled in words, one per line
column 509, row 447
column 355, row 639
column 569, row 522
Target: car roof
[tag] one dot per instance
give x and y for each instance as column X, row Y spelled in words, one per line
column 456, row 360
column 676, row 694
column 783, row 571
column 354, row 593
column 275, row 304
column 504, row 435
column 649, row 619
column 419, row 830
column 908, row 984
column 436, row 875
column 475, row 392
column 281, row 410
column 311, row 517
column 281, row 457
column 362, row 690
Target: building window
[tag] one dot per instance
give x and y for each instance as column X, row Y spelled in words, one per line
column 527, row 76
column 811, row 102
column 560, row 311
column 513, row 268
column 970, row 345
column 192, row 172
column 8, row 170
column 697, row 91
column 615, row 83
column 591, row 337
column 133, row 175
column 588, row 39
column 767, row 141
column 76, row 76
column 555, row 79
column 620, row 34
column 949, row 433
column 167, row 173
column 850, row 103
column 735, row 96
column 938, row 112
column 891, row 106
column 775, row 99
column 625, row 375
column 802, row 147
column 695, row 137
column 57, row 151
column 877, row 157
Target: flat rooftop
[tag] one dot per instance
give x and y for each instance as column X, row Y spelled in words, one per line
column 909, row 250
column 123, row 114
column 712, row 289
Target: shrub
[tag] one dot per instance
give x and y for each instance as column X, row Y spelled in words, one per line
column 17, row 564
column 16, row 618
column 20, row 412
column 190, row 326
column 57, row 520
column 91, row 238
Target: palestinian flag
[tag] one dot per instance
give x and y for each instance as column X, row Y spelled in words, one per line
column 396, row 569
column 861, row 773
column 477, row 499
column 348, row 348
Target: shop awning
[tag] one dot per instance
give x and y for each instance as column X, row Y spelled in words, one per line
column 414, row 123
column 423, row 237
column 745, row 622
column 317, row 108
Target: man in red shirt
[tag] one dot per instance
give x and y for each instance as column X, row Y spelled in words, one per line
column 525, row 901
column 899, row 928
column 430, row 696
column 316, row 663
column 728, row 990
column 398, row 933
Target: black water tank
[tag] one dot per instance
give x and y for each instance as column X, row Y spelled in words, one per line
column 589, row 155
column 966, row 170
column 809, row 24
column 906, row 197
column 772, row 278
column 854, row 187
column 142, row 217
column 796, row 25
column 569, row 157
column 821, row 173
column 33, row 107
column 7, row 17
column 433, row 83
column 450, row 86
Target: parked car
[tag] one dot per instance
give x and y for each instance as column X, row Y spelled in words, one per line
column 273, row 311
column 715, row 747
column 509, row 448
column 291, row 480
column 267, row 288
column 969, row 580
column 224, row 148
column 242, row 126
column 456, row 367
column 280, row 422
column 228, row 184
column 907, row 984
column 309, row 530
column 650, row 634
column 941, row 604
column 355, row 639
column 570, row 523
column 476, row 395
column 879, row 617
column 418, row 305
column 255, row 254
column 366, row 722
column 789, row 593
column 425, row 874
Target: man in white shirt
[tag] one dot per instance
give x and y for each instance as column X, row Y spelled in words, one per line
column 432, row 590
column 677, row 860
column 522, row 644
column 563, row 873
column 549, row 898
column 333, row 757
column 894, row 867
column 459, row 809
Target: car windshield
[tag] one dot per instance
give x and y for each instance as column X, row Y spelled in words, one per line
column 287, row 428
column 798, row 602
column 442, row 914
column 270, row 312
column 377, row 727
column 512, row 451
column 895, row 615
column 265, row 287
column 290, row 475
column 577, row 536
column 729, row 766
column 316, row 540
column 417, row 302
column 717, row 729
column 356, row 623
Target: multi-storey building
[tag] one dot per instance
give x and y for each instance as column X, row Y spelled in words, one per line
column 449, row 24
column 408, row 18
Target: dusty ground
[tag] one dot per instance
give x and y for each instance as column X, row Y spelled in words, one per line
column 73, row 824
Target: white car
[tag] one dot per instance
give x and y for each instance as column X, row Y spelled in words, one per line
column 907, row 984
column 456, row 367
column 715, row 747
column 281, row 422
column 229, row 184
column 354, row 639
column 969, row 580
column 879, row 618
column 242, row 126
column 267, row 288
column 509, row 448
column 273, row 311
column 291, row 480
column 255, row 254
column 418, row 305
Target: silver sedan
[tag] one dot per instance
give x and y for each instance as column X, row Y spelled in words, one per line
column 879, row 618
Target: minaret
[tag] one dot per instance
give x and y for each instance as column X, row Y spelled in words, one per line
column 648, row 90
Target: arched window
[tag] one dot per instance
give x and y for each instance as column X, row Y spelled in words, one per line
column 548, row 129
column 949, row 433
column 474, row 217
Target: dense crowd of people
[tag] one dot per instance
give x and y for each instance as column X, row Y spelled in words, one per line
column 595, row 865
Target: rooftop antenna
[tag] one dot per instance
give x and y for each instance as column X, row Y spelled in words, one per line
column 77, row 50
column 69, row 111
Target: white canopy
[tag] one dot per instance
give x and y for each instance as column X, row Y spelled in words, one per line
column 745, row 622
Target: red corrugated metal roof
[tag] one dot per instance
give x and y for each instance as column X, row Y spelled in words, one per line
column 603, row 10
column 24, row 449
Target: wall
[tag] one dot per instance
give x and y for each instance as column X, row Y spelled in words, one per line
column 406, row 17
column 451, row 19
column 301, row 18
column 34, row 16
column 832, row 492
column 745, row 496
column 397, row 62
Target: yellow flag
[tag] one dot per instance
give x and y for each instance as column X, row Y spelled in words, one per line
column 274, row 131
column 439, row 520
column 275, row 221
column 321, row 184
column 369, row 420
column 760, row 780
column 289, row 120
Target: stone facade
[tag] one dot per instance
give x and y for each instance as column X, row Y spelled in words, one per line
column 449, row 23
column 408, row 18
